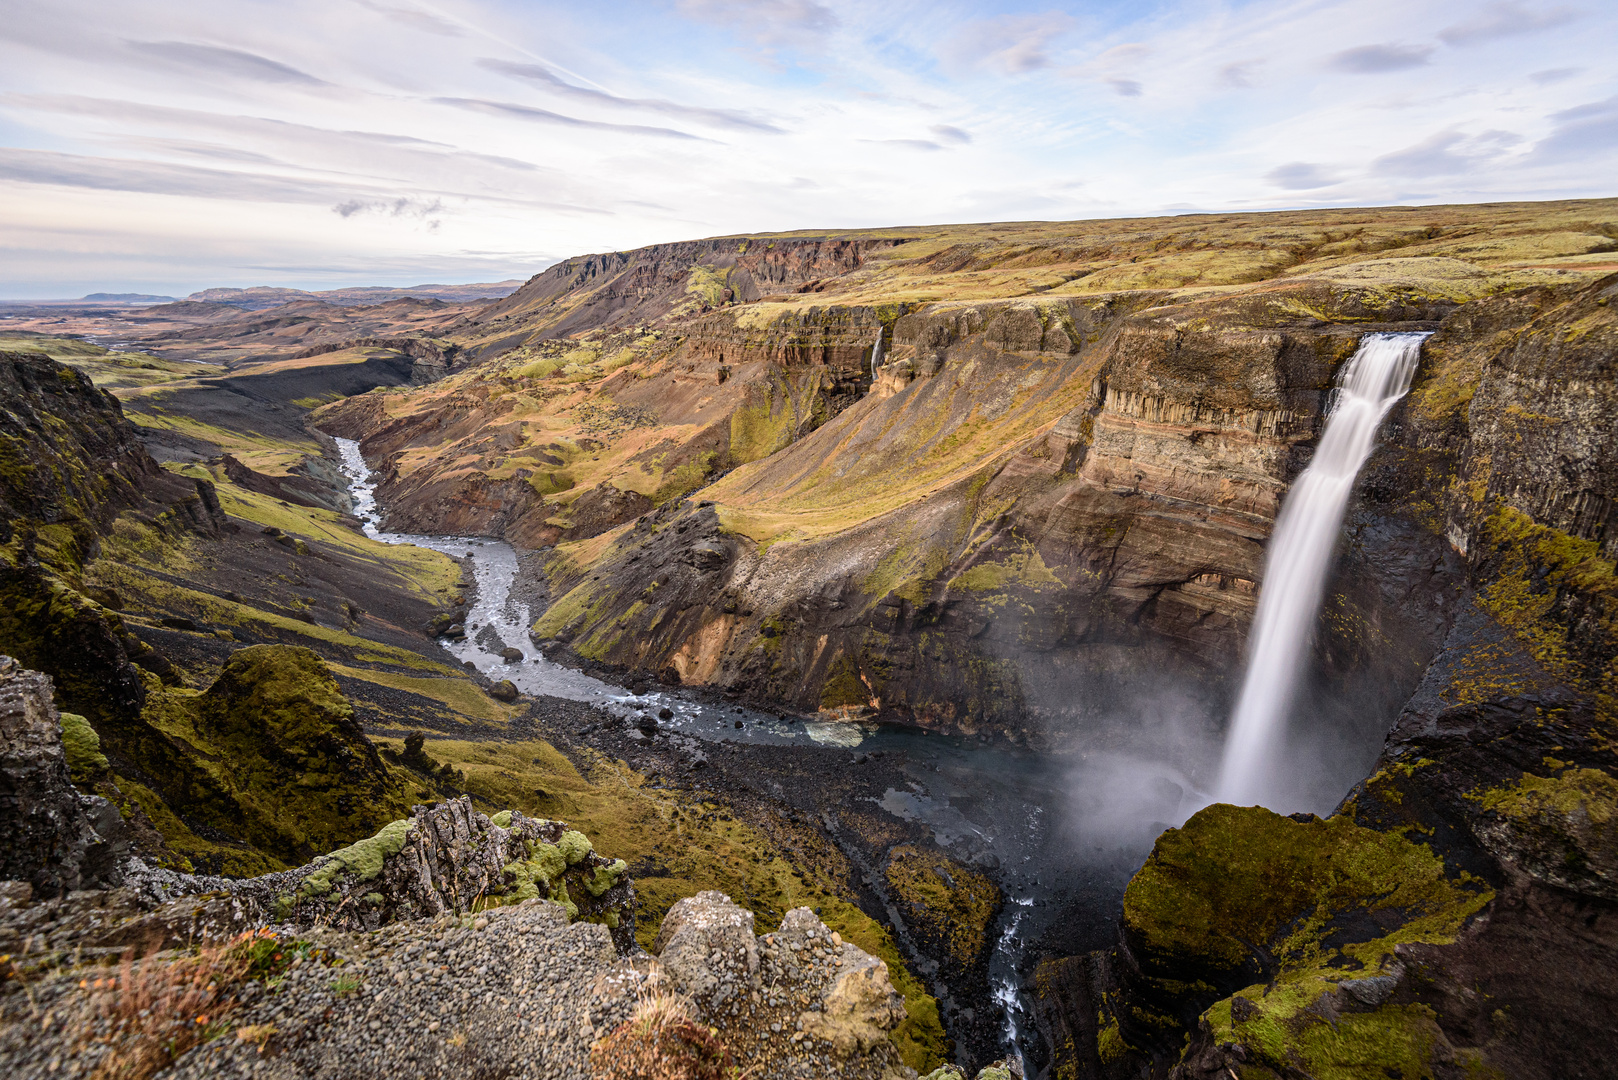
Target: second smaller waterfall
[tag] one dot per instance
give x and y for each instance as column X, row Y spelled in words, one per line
column 876, row 353
column 1299, row 560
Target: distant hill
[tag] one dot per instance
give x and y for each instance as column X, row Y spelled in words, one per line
column 264, row 296
column 127, row 298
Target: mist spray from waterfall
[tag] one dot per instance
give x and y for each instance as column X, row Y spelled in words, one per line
column 1299, row 561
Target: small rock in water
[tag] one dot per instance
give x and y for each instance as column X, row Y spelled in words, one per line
column 738, row 723
column 665, row 713
column 510, row 655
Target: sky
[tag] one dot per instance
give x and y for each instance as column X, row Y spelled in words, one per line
column 170, row 145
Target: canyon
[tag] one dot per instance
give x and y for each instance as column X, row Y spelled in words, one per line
column 1036, row 526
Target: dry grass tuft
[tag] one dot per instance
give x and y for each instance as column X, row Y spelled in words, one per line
column 156, row 1008
column 662, row 1042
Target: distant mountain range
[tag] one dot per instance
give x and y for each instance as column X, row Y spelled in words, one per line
column 128, row 298
column 264, row 296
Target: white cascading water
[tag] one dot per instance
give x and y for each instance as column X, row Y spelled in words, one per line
column 876, row 354
column 1299, row 560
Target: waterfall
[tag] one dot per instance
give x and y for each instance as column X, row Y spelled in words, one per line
column 1299, row 558
column 876, row 354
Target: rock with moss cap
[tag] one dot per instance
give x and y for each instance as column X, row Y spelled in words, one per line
column 450, row 859
column 1253, row 933
column 50, row 835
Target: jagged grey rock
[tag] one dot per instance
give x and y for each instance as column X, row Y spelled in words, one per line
column 51, row 836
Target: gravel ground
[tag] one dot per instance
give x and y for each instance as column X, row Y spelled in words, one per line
column 517, row 993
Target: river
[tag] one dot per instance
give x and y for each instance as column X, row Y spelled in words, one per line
column 1060, row 834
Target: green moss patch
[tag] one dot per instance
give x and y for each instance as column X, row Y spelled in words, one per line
column 1296, row 907
column 364, row 859
column 1537, row 573
column 285, row 766
column 83, row 748
column 945, row 901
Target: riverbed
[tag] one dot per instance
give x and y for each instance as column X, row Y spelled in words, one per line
column 1060, row 834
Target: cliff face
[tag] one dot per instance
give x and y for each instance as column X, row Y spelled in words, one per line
column 1041, row 509
column 622, row 289
column 55, row 839
column 498, row 450
column 1038, row 497
column 71, row 465
column 1497, row 778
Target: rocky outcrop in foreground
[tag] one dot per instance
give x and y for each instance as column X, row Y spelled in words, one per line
column 509, row 991
column 451, row 943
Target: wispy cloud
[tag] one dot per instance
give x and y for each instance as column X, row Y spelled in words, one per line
column 415, row 18
column 1375, row 59
column 537, row 73
column 1009, row 44
column 1583, row 133
column 157, row 178
column 773, row 24
column 545, row 116
column 1240, row 75
column 1301, row 176
column 424, row 210
column 908, row 144
column 1446, row 153
column 1502, row 20
column 217, row 60
column 1551, row 76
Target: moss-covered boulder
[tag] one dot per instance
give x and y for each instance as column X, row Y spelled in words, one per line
column 452, row 860
column 949, row 909
column 1252, row 930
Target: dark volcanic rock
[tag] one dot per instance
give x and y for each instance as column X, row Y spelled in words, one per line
column 50, row 835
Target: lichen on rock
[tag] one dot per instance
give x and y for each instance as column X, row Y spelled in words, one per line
column 450, row 859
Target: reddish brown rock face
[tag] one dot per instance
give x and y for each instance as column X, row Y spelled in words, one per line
column 1033, row 497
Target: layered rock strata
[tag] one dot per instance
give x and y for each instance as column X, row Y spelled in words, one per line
column 628, row 288
column 721, row 393
column 1038, row 495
